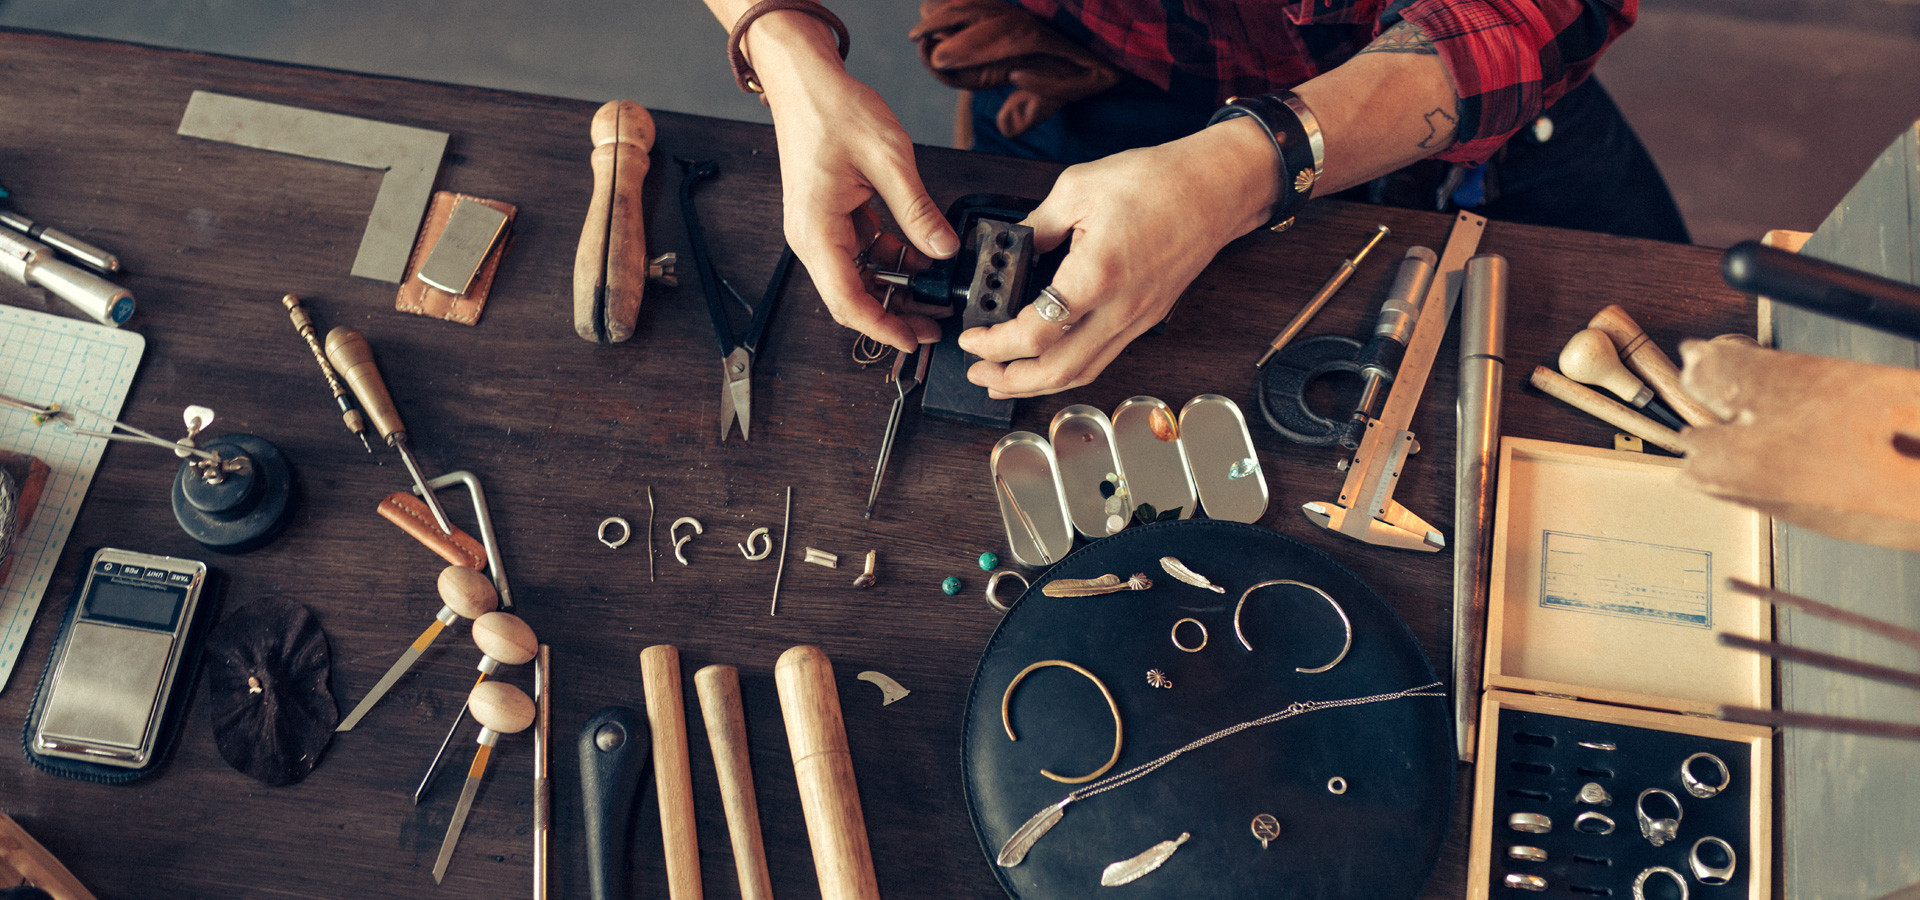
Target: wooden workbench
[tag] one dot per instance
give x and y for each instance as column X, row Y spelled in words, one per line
column 563, row 433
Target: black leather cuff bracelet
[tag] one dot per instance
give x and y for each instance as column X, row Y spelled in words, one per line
column 1296, row 139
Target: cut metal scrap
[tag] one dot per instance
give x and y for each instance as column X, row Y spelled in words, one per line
column 890, row 690
column 760, row 541
column 822, row 558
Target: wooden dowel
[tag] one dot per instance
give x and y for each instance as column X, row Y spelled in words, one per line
column 719, row 690
column 1606, row 409
column 1828, row 661
column 1779, row 719
column 1652, row 364
column 823, row 766
column 672, row 770
column 1889, row 630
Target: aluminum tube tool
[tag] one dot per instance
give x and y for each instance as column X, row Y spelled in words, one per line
column 903, row 383
column 501, row 709
column 69, row 246
column 350, row 353
column 736, row 352
column 1483, row 366
column 1366, row 510
column 464, row 593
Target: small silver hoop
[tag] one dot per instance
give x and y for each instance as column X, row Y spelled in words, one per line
column 1203, row 635
column 1700, row 788
column 1345, row 623
column 1602, row 823
column 993, row 588
column 626, row 531
column 1336, row 785
column 760, row 543
column 1712, row 876
column 1640, row 881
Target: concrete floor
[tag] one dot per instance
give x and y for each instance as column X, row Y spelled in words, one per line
column 1761, row 113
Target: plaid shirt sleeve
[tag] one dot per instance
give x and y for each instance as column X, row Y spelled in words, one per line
column 1511, row 59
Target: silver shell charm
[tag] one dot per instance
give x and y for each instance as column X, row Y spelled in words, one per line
column 1128, row 870
column 1092, row 587
column 1179, row 570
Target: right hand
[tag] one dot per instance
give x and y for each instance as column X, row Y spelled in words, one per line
column 840, row 148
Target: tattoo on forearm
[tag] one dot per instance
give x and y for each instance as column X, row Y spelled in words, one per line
column 1404, row 37
column 1441, row 127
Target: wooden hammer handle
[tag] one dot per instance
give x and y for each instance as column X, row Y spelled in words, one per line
column 611, row 262
column 1652, row 364
column 1607, row 410
column 672, row 771
column 719, row 690
column 823, row 766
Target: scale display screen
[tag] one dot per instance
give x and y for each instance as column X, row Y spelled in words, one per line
column 140, row 605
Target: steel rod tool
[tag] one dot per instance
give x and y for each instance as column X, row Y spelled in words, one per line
column 1366, row 510
column 465, row 594
column 350, row 353
column 501, row 709
column 1483, row 366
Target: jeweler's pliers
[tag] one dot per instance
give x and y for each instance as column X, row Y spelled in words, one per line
column 736, row 354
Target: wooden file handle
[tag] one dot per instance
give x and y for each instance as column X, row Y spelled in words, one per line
column 829, row 798
column 1652, row 364
column 611, row 262
column 672, row 771
column 719, row 690
column 1607, row 410
column 352, row 357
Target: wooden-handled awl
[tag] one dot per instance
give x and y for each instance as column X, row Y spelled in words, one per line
column 823, row 765
column 672, row 770
column 352, row 357
column 1652, row 364
column 610, row 268
column 719, row 690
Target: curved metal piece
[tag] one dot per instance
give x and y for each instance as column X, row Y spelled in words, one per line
column 993, row 588
column 1006, row 719
column 1345, row 623
column 680, row 541
column 761, row 541
column 626, row 532
column 1176, row 635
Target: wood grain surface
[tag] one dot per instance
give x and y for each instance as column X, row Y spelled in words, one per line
column 563, row 433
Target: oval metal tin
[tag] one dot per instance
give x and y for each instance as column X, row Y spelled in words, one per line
column 1226, row 470
column 1082, row 440
column 1156, row 468
column 1026, row 481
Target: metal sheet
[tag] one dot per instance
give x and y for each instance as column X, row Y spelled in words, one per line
column 409, row 156
column 1027, row 480
column 1082, row 441
column 1157, row 470
column 1227, row 472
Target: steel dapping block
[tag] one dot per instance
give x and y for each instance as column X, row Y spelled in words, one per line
column 243, row 510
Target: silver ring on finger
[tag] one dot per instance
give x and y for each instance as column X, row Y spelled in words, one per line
column 1051, row 306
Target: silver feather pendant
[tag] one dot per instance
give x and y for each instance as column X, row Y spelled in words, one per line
column 1130, row 869
column 1015, row 849
column 1179, row 570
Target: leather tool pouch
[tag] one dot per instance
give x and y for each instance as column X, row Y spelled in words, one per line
column 421, row 298
column 413, row 517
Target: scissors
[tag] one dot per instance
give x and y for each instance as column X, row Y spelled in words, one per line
column 736, row 353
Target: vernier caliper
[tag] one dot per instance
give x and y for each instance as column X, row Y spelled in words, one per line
column 1366, row 510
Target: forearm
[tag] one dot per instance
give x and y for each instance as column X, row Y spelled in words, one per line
column 784, row 47
column 1389, row 106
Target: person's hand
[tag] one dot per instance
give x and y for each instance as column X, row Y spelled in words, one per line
column 1144, row 223
column 840, row 148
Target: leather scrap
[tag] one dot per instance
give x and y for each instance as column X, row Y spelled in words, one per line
column 423, row 299
column 413, row 517
column 979, row 44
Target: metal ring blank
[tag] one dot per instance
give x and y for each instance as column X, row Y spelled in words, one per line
column 1203, row 635
column 1006, row 719
column 1711, row 875
column 1345, row 622
column 993, row 588
column 626, row 531
column 1640, row 881
column 1700, row 788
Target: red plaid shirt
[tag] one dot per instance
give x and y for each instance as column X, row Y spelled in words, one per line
column 1509, row 59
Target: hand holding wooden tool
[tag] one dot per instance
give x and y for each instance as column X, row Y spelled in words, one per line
column 1647, row 360
column 610, row 266
column 464, row 593
column 719, row 690
column 823, row 765
column 672, row 770
column 350, row 353
column 500, row 709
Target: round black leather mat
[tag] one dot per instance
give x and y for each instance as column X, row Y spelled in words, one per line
column 1379, row 839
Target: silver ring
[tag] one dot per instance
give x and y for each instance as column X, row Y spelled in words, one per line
column 1336, row 785
column 1658, row 831
column 1203, row 635
column 993, row 588
column 1700, row 788
column 1592, row 794
column 1345, row 622
column 1530, row 823
column 1603, row 823
column 1524, row 882
column 1050, row 306
column 1640, row 881
column 1599, row 745
column 1526, row 854
column 1711, row 875
column 626, row 531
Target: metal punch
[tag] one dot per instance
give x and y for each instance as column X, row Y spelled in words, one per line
column 480, row 512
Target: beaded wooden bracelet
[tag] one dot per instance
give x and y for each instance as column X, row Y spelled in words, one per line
column 1296, row 139
column 743, row 74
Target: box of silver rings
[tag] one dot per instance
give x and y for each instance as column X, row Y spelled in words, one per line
column 1600, row 771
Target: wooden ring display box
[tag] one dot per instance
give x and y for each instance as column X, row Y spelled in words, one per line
column 1603, row 665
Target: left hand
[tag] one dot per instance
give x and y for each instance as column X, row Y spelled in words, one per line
column 1144, row 224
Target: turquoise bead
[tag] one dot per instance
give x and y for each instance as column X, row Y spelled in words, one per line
column 951, row 586
column 988, row 561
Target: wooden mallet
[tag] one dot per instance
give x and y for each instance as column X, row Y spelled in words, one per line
column 672, row 770
column 823, row 765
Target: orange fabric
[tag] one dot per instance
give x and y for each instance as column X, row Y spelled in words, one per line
column 978, row 44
